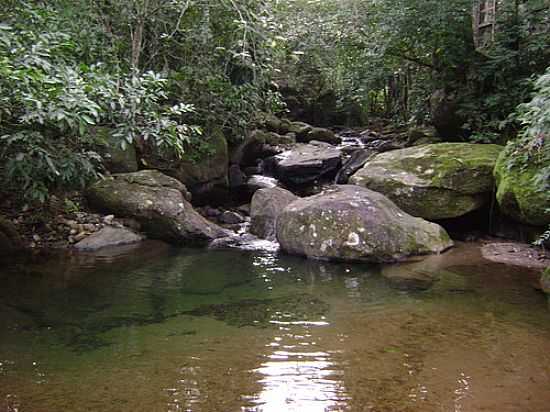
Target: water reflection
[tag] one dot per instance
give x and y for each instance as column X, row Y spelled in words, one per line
column 296, row 375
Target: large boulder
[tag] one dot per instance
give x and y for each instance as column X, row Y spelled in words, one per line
column 203, row 168
column 352, row 223
column 10, row 241
column 266, row 206
column 437, row 181
column 158, row 202
column 306, row 163
column 260, row 144
column 519, row 194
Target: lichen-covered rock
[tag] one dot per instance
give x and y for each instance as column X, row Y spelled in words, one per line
column 519, row 195
column 266, row 206
column 10, row 241
column 356, row 224
column 158, row 202
column 545, row 280
column 436, row 181
column 306, row 163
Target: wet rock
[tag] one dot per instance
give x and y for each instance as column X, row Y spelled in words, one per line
column 158, row 203
column 261, row 182
column 236, row 177
column 517, row 254
column 259, row 145
column 305, row 163
column 405, row 278
column 230, row 218
column 353, row 164
column 519, row 195
column 321, row 135
column 438, row 181
column 351, row 223
column 108, row 237
column 266, row 206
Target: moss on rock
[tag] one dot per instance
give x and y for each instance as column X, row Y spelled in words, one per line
column 436, row 181
column 519, row 195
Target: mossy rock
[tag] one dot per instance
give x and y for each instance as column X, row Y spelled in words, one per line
column 435, row 181
column 518, row 194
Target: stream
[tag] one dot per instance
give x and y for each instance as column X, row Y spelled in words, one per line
column 155, row 328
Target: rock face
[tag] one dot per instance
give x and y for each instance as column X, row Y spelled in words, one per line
column 305, row 163
column 437, row 181
column 108, row 237
column 352, row 223
column 10, row 241
column 518, row 194
column 158, row 202
column 266, row 206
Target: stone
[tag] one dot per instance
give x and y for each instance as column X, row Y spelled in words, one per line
column 300, row 129
column 437, row 181
column 230, row 218
column 158, row 202
column 406, row 278
column 259, row 144
column 356, row 161
column 107, row 237
column 266, row 206
column 519, row 195
column 351, row 223
column 517, row 254
column 305, row 163
column 321, row 135
column 261, row 182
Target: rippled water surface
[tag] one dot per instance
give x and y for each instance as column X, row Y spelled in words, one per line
column 160, row 329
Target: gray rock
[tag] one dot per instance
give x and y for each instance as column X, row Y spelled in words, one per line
column 321, row 135
column 351, row 223
column 108, row 237
column 305, row 163
column 158, row 203
column 356, row 161
column 266, row 206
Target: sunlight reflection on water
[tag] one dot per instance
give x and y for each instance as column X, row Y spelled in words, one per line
column 297, row 379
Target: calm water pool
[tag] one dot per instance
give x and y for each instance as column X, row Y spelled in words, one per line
column 163, row 329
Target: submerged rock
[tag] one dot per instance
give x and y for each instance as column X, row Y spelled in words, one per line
column 158, row 203
column 356, row 224
column 305, row 163
column 108, row 237
column 266, row 206
column 518, row 193
column 408, row 277
column 437, row 181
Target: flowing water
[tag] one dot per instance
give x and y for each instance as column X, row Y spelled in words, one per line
column 163, row 329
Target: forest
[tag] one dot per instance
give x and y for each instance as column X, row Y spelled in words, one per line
column 274, row 205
